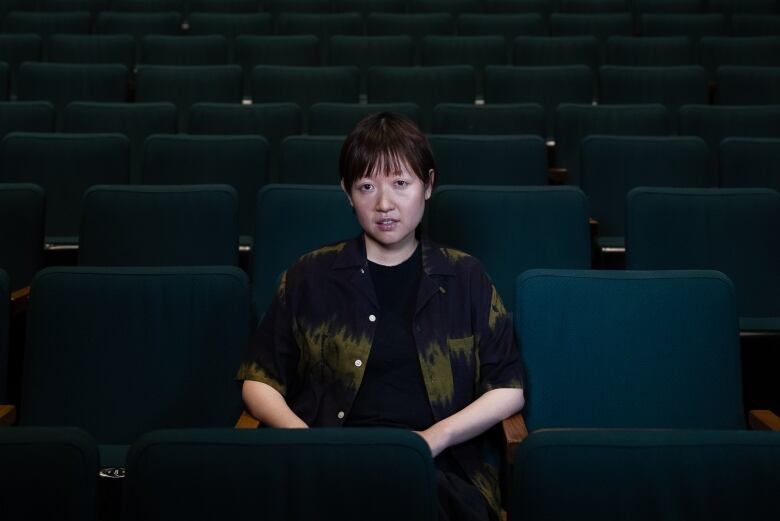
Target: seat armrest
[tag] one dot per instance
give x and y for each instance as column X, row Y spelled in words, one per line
column 557, row 175
column 764, row 420
column 20, row 299
column 247, row 421
column 514, row 431
column 7, row 414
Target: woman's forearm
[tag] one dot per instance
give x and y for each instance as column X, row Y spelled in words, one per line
column 267, row 405
column 474, row 419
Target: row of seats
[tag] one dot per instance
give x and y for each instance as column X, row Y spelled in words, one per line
column 542, row 227
column 388, row 474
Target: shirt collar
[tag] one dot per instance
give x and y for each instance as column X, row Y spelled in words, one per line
column 434, row 259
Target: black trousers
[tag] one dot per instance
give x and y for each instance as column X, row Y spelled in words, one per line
column 459, row 500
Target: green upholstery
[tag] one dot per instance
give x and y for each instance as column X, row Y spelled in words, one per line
column 48, row 473
column 323, row 26
column 340, row 118
column 510, row 26
column 5, row 81
column 138, row 24
column 755, row 25
column 575, row 122
column 61, row 83
column 274, row 121
column 749, row 163
column 547, row 86
column 105, row 48
column 496, row 118
column 122, row 351
column 159, row 226
column 556, row 50
column 733, row 230
column 627, row 349
column 489, row 160
column 304, row 85
column 672, row 87
column 752, row 51
column 295, row 6
column 593, row 6
column 223, row 6
column 744, row 6
column 415, row 25
column 239, row 161
column 186, row 85
column 367, row 51
column 519, row 6
column 713, row 124
column 477, row 51
column 693, row 26
column 649, row 51
column 26, row 116
column 137, row 121
column 229, row 25
column 513, row 229
column 293, row 50
column 46, row 24
column 369, row 6
column 5, row 328
column 610, row 166
column 749, row 85
column 64, row 165
column 646, row 475
column 296, row 475
column 147, row 6
column 670, row 6
column 184, row 50
column 21, row 232
column 425, row 86
column 310, row 160
column 16, row 49
column 602, row 26
column 291, row 220
column 453, row 7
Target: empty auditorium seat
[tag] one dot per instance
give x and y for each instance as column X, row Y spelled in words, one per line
column 294, row 50
column 138, row 24
column 557, row 50
column 602, row 26
column 229, row 25
column 159, row 226
column 367, row 51
column 5, row 328
column 223, row 6
column 340, row 118
column 593, row 6
column 575, row 122
column 16, row 49
column 21, row 238
column 366, row 7
column 650, row 51
column 748, row 85
column 323, row 26
column 184, row 50
column 416, row 25
column 496, row 119
column 310, row 160
column 46, row 24
column 519, row 6
column 752, row 51
column 453, row 7
column 297, row 6
column 477, row 51
column 26, row 116
column 239, row 161
column 147, row 6
column 510, row 26
column 137, row 121
column 489, row 160
column 744, row 6
column 670, row 6
column 755, row 25
column 64, row 165
column 733, row 230
column 93, row 48
column 381, row 474
column 693, row 26
column 540, row 227
column 749, row 163
column 425, row 86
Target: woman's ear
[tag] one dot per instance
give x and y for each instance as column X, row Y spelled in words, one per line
column 346, row 192
column 429, row 186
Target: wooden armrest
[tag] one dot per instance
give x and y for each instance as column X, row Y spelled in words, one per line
column 247, row 421
column 764, row 420
column 557, row 176
column 20, row 299
column 515, row 431
column 7, row 414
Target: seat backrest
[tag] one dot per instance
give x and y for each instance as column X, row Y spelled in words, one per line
column 16, row 49
column 543, row 7
column 602, row 26
column 26, row 116
column 733, row 230
column 650, row 51
column 184, row 50
column 239, row 161
column 310, row 160
column 415, row 25
column 539, row 51
column 147, row 6
column 64, row 165
column 575, row 122
column 610, row 166
column 292, row 220
column 122, row 351
column 366, row 7
column 340, row 118
column 223, row 6
column 312, row 475
column 425, row 86
column 509, row 26
column 28, row 487
column 693, row 26
column 596, row 343
column 230, row 25
column 5, row 332
column 541, row 227
column 755, row 25
column 93, row 48
column 137, row 121
column 748, row 85
column 323, row 26
column 749, row 163
column 670, row 6
column 138, row 24
column 159, row 226
column 366, row 51
column 750, row 51
column 477, row 51
column 453, row 7
column 495, row 119
column 593, row 6
column 489, row 160
column 646, row 475
column 547, row 86
column 21, row 232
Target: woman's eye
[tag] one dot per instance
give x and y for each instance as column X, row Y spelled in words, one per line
column 365, row 187
column 401, row 183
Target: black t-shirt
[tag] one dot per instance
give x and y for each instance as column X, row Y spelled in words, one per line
column 392, row 393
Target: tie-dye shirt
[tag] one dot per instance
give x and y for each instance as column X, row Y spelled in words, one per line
column 314, row 341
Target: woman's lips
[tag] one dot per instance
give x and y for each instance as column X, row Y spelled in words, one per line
column 387, row 225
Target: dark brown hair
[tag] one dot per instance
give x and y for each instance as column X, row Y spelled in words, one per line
column 385, row 142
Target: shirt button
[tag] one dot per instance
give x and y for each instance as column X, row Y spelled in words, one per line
column 340, row 415
column 372, row 318
column 358, row 363
column 362, row 270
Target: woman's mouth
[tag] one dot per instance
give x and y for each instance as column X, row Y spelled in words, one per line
column 387, row 225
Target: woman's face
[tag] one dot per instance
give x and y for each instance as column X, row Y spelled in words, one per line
column 389, row 207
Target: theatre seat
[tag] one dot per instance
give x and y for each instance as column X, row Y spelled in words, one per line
column 340, row 118
column 749, row 163
column 310, row 160
column 21, row 232
column 495, row 119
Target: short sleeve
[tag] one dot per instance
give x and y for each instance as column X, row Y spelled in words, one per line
column 272, row 355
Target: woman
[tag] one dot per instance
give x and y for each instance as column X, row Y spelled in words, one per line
column 389, row 329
